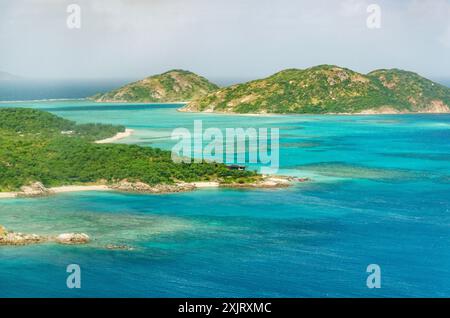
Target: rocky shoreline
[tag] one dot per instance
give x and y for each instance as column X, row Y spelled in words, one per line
column 11, row 238
column 140, row 187
column 268, row 182
column 37, row 189
column 17, row 238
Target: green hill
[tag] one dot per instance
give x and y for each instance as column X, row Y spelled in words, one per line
column 416, row 93
column 36, row 146
column 33, row 122
column 329, row 89
column 172, row 86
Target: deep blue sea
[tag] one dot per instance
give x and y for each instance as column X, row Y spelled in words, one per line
column 379, row 195
column 38, row 89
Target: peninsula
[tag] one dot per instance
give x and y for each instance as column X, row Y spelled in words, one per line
column 43, row 154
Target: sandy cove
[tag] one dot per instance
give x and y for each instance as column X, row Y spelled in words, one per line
column 117, row 137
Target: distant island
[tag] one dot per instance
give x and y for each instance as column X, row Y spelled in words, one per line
column 5, row 76
column 41, row 154
column 170, row 87
column 323, row 89
column 326, row 89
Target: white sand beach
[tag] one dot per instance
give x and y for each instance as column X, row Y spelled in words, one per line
column 206, row 184
column 76, row 188
column 6, row 195
column 63, row 189
column 118, row 136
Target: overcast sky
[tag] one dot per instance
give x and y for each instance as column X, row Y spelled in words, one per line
column 220, row 38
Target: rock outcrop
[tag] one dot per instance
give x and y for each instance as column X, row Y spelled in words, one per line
column 141, row 187
column 13, row 238
column 268, row 182
column 264, row 182
column 36, row 189
column 119, row 247
column 16, row 238
column 72, row 238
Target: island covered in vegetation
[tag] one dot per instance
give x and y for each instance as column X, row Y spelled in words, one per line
column 170, row 87
column 40, row 150
column 328, row 89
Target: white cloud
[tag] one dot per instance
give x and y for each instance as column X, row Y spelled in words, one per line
column 222, row 38
column 434, row 15
column 351, row 8
column 445, row 38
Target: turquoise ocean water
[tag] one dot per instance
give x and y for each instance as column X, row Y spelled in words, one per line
column 380, row 195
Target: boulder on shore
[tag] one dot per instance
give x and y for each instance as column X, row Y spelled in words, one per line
column 72, row 238
column 141, row 187
column 35, row 189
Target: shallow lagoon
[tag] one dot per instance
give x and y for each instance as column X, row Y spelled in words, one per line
column 380, row 196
